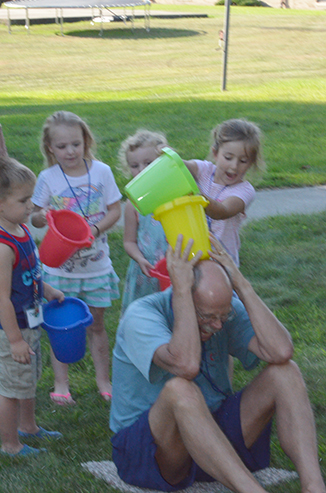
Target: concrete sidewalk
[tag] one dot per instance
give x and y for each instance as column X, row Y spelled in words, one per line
column 282, row 201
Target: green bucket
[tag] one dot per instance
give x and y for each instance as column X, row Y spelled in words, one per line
column 165, row 179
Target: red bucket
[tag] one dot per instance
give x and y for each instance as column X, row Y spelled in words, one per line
column 67, row 233
column 161, row 273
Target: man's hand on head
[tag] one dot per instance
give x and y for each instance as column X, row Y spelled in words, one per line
column 179, row 267
column 219, row 255
column 181, row 355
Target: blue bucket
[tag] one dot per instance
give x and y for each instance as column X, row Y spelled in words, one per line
column 66, row 324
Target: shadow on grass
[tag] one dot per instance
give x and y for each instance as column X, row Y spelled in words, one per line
column 137, row 33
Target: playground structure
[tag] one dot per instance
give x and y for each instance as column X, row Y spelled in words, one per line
column 98, row 10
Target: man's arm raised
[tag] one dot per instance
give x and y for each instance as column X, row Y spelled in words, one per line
column 181, row 356
column 272, row 342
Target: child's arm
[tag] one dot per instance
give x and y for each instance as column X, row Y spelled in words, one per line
column 51, row 293
column 38, row 217
column 20, row 350
column 110, row 218
column 224, row 210
column 130, row 239
column 192, row 167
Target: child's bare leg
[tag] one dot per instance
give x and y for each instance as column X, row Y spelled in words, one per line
column 9, row 413
column 61, row 394
column 99, row 347
column 26, row 416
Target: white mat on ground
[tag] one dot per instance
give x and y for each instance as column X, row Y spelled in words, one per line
column 106, row 470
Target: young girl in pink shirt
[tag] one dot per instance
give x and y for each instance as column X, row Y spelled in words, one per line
column 236, row 149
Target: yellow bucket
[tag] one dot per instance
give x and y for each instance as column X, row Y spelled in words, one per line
column 186, row 216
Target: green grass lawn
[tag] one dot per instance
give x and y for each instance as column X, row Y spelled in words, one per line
column 284, row 257
column 169, row 80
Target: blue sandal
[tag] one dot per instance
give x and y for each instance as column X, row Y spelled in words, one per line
column 25, row 451
column 42, row 433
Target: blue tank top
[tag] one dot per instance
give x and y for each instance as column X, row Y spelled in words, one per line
column 22, row 277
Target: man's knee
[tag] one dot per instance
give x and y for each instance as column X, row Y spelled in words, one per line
column 286, row 374
column 179, row 391
column 284, row 369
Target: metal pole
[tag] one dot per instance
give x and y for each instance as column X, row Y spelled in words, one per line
column 226, row 42
column 148, row 15
column 9, row 20
column 27, row 20
column 61, row 21
column 3, row 148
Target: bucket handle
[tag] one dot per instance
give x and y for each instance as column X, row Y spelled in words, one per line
column 49, row 218
column 172, row 154
column 177, row 159
column 89, row 242
column 153, row 273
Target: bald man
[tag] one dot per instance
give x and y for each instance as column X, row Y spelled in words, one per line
column 175, row 417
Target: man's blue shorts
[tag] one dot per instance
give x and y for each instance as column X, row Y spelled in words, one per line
column 134, row 450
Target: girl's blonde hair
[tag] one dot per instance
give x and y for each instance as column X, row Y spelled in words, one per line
column 13, row 175
column 241, row 130
column 71, row 120
column 142, row 138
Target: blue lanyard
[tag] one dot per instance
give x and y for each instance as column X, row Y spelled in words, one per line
column 207, row 375
column 209, row 219
column 34, row 278
column 86, row 216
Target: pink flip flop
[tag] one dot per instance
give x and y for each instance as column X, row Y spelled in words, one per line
column 67, row 402
column 106, row 396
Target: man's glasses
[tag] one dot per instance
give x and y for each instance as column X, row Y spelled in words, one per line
column 217, row 318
